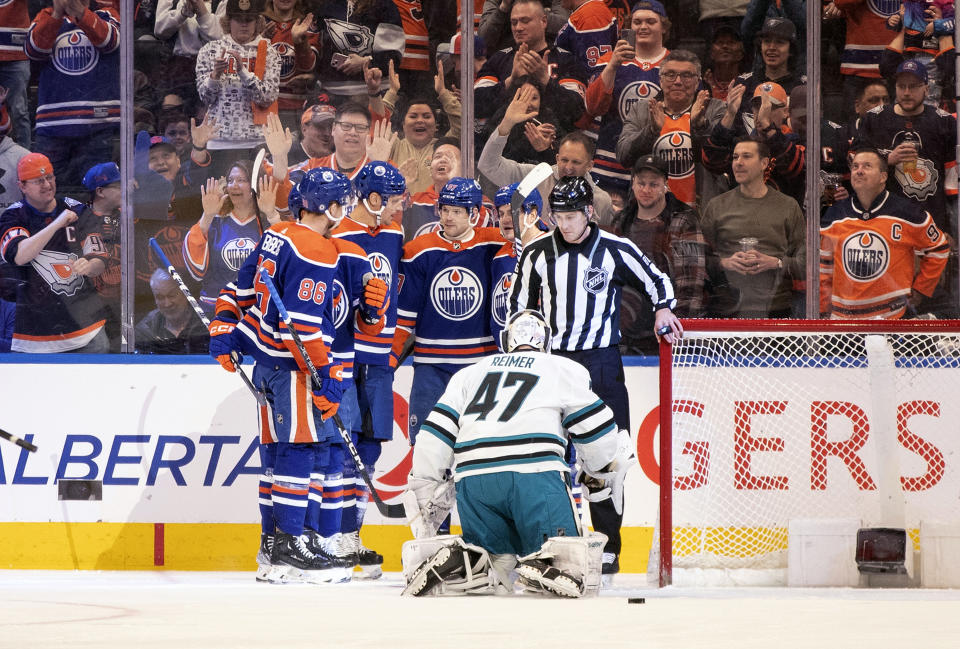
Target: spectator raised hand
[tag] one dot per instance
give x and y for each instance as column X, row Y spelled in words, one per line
column 202, row 133
column 382, row 139
column 540, row 136
column 299, row 29
column 373, row 76
column 212, row 198
column 279, row 141
column 267, row 198
column 517, row 110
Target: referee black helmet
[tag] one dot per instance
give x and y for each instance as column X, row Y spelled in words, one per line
column 571, row 193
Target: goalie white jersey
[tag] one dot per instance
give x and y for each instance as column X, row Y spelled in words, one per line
column 515, row 412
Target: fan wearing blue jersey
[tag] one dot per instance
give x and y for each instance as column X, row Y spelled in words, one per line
column 295, row 423
column 445, row 296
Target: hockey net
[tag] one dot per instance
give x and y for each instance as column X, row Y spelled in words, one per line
column 773, row 421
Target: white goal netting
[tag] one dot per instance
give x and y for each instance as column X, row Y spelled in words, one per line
column 768, row 427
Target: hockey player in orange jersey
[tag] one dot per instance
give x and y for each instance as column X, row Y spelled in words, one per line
column 880, row 254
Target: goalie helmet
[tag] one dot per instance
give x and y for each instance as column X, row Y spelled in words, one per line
column 321, row 188
column 527, row 327
column 505, row 194
column 570, row 194
column 381, row 178
column 461, row 192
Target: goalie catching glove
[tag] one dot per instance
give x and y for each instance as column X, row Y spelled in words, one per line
column 608, row 481
column 223, row 342
column 327, row 395
column 376, row 299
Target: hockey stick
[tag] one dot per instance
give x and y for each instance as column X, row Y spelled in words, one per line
column 530, row 182
column 158, row 251
column 16, row 440
column 389, row 511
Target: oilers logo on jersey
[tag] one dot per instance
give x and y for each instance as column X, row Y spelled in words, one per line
column 341, row 306
column 866, row 256
column 56, row 270
column 501, row 298
column 676, row 148
column 884, row 8
column 348, row 37
column 235, row 252
column 381, row 266
column 287, row 58
column 74, row 54
column 456, row 293
column 595, row 280
column 634, row 92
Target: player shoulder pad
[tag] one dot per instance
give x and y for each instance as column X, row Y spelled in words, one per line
column 506, row 250
column 346, row 247
column 422, row 243
column 489, row 234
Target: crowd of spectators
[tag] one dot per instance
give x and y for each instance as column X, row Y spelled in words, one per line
column 687, row 119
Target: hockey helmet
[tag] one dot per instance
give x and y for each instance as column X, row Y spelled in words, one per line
column 571, row 193
column 381, row 178
column 461, row 192
column 295, row 201
column 322, row 187
column 527, row 327
column 505, row 194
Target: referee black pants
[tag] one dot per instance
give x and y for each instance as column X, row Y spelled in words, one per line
column 608, row 382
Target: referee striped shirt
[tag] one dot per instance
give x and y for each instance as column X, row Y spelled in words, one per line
column 578, row 287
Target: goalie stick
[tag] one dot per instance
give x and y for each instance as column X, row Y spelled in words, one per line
column 22, row 443
column 158, row 251
column 388, row 511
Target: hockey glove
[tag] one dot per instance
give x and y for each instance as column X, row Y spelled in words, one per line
column 223, row 342
column 327, row 395
column 608, row 482
column 376, row 299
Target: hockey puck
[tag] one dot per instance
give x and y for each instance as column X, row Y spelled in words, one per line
column 636, row 600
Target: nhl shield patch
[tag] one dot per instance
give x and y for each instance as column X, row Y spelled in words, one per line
column 595, row 279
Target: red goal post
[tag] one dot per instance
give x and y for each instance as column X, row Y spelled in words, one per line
column 779, row 420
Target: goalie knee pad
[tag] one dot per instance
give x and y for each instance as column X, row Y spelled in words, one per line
column 445, row 565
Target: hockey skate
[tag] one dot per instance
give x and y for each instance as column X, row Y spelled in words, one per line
column 609, row 567
column 370, row 562
column 263, row 557
column 291, row 561
column 327, row 548
column 539, row 576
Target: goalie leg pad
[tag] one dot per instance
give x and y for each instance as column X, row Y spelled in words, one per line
column 579, row 557
column 454, row 568
column 538, row 575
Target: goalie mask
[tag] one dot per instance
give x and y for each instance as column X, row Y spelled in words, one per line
column 528, row 327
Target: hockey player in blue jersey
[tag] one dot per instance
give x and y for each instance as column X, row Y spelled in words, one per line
column 502, row 426
column 302, row 263
column 518, row 230
column 380, row 190
column 445, row 296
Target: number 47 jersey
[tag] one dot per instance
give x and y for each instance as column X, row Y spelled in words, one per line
column 515, row 412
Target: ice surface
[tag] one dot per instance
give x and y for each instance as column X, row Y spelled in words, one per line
column 184, row 610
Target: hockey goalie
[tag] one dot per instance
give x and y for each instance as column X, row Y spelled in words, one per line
column 501, row 429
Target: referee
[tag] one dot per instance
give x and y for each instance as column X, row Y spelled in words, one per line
column 575, row 277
